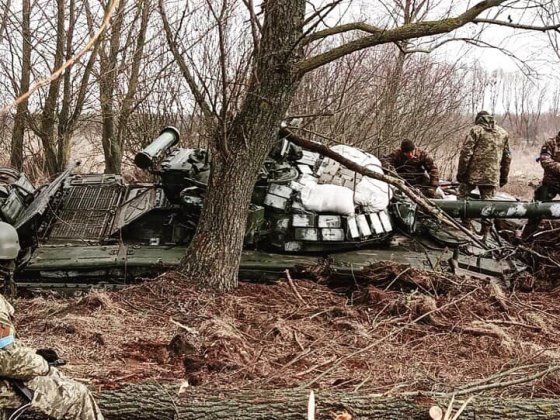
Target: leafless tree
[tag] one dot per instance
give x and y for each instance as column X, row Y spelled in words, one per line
column 16, row 155
column 53, row 115
column 523, row 104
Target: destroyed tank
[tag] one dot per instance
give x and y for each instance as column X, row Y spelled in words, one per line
column 84, row 229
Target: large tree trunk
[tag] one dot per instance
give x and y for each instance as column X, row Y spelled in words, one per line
column 159, row 402
column 16, row 155
column 241, row 147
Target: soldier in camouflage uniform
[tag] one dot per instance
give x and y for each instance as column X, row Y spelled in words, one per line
column 484, row 161
column 53, row 393
column 550, row 186
column 415, row 166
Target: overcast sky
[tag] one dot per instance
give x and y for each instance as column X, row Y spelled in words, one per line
column 533, row 48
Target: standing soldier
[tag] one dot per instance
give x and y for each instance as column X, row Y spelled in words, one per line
column 29, row 372
column 550, row 185
column 415, row 166
column 484, row 162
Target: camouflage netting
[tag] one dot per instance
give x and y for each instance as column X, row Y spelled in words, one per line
column 398, row 329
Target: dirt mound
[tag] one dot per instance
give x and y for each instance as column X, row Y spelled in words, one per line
column 398, row 329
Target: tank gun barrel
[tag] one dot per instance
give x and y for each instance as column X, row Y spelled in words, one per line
column 500, row 209
column 168, row 137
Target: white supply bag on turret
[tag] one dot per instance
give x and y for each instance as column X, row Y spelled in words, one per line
column 328, row 198
column 373, row 195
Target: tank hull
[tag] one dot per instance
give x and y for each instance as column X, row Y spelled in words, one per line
column 66, row 266
column 97, row 229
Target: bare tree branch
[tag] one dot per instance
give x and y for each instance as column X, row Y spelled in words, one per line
column 220, row 22
column 418, row 199
column 356, row 26
column 496, row 22
column 256, row 27
column 188, row 76
column 402, row 33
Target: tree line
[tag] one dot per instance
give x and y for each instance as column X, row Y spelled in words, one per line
column 128, row 86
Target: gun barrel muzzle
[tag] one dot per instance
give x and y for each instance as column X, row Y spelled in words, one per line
column 168, row 137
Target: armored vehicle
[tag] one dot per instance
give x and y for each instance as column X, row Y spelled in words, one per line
column 306, row 210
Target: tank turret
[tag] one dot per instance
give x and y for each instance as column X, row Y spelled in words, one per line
column 147, row 158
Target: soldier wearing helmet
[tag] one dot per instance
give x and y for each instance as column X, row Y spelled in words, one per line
column 45, row 388
column 415, row 166
column 484, row 161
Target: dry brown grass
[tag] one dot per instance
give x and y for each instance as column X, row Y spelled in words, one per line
column 342, row 337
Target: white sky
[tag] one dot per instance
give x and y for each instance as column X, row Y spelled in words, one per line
column 531, row 47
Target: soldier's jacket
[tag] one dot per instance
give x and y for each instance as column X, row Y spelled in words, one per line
column 54, row 394
column 7, row 329
column 550, row 161
column 485, row 157
column 16, row 361
column 413, row 170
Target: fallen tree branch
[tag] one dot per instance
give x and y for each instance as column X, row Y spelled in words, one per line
column 162, row 402
column 537, row 254
column 503, row 374
column 422, row 202
column 293, row 287
column 524, row 379
column 385, row 338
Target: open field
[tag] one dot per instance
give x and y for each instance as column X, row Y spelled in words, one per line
column 525, row 173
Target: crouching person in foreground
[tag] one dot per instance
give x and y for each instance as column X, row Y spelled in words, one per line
column 48, row 390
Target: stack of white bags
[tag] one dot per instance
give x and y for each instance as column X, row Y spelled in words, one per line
column 340, row 190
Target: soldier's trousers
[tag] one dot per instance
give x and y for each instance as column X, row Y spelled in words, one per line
column 487, row 192
column 54, row 394
column 545, row 192
column 63, row 398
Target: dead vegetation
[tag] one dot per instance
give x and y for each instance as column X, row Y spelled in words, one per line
column 397, row 330
column 542, row 255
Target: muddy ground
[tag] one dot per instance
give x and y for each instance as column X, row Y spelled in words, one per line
column 395, row 330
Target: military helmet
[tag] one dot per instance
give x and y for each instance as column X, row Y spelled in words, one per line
column 9, row 242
